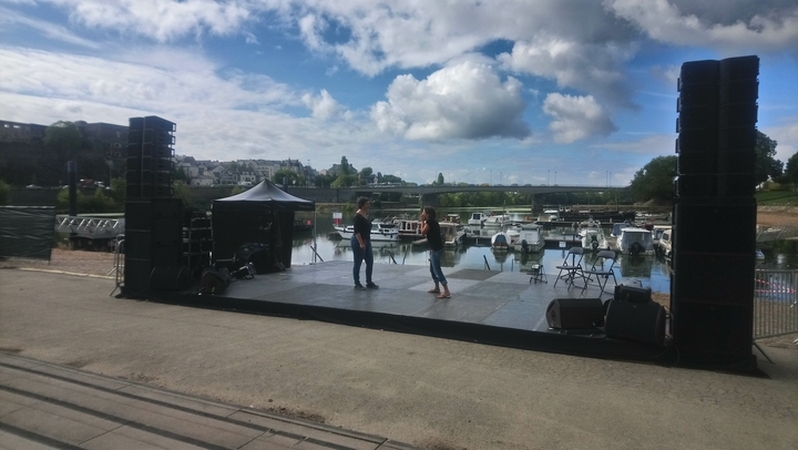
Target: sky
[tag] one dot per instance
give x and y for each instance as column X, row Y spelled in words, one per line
column 569, row 92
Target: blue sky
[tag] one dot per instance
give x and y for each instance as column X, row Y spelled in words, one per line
column 532, row 91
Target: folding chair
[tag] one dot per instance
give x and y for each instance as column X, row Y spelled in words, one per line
column 600, row 272
column 571, row 267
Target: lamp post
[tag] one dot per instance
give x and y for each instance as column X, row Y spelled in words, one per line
column 555, row 177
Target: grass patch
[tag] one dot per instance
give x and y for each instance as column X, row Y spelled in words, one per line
column 777, row 198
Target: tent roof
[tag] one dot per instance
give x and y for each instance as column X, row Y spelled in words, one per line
column 268, row 192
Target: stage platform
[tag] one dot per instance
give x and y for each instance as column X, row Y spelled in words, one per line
column 489, row 307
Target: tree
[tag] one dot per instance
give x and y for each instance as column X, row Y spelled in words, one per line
column 655, row 180
column 285, row 177
column 366, row 174
column 346, row 169
column 791, row 171
column 440, row 180
column 765, row 166
column 65, row 137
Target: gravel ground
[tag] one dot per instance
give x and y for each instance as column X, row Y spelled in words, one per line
column 73, row 261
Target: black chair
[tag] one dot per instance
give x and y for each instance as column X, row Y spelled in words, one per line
column 571, row 267
column 600, row 272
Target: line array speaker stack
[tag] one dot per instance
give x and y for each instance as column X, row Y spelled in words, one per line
column 150, row 166
column 715, row 212
column 153, row 218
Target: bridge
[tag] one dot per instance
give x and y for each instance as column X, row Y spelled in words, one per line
column 429, row 193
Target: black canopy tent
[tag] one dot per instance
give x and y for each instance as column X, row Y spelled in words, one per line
column 261, row 215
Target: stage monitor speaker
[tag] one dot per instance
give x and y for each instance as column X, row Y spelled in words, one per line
column 214, row 281
column 575, row 313
column 633, row 294
column 170, row 278
column 633, row 321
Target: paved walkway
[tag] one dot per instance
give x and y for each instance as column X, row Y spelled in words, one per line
column 82, row 368
column 44, row 405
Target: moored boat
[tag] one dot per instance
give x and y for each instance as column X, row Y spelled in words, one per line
column 380, row 231
column 635, row 241
column 477, row 219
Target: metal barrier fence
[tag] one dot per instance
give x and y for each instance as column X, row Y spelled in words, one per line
column 775, row 303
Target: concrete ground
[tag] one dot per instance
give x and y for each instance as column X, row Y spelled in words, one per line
column 427, row 392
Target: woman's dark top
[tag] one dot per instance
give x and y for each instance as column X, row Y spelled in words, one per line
column 434, row 235
column 363, row 227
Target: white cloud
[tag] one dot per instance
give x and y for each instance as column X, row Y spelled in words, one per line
column 323, row 106
column 734, row 27
column 595, row 68
column 163, row 20
column 227, row 117
column 466, row 101
column 576, row 118
column 786, row 137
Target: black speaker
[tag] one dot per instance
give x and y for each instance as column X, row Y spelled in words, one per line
column 718, row 278
column 700, row 328
column 633, row 294
column 170, row 278
column 137, row 275
column 634, row 321
column 214, row 281
column 575, row 313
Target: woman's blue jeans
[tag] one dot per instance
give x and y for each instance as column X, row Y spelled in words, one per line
column 360, row 255
column 435, row 266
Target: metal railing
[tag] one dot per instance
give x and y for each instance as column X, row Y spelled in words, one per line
column 89, row 225
column 775, row 303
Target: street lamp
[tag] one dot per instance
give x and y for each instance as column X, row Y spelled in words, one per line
column 555, row 177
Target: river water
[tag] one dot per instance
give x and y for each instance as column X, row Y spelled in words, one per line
column 649, row 271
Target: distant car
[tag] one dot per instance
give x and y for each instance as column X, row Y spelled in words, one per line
column 33, row 186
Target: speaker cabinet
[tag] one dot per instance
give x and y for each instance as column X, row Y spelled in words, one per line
column 705, row 329
column 575, row 313
column 634, row 321
column 716, row 278
column 634, row 294
column 137, row 276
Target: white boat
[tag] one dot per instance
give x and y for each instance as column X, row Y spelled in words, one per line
column 592, row 236
column 549, row 215
column 496, row 220
column 666, row 243
column 506, row 239
column 477, row 219
column 451, row 218
column 380, row 231
column 530, row 238
column 635, row 241
column 453, row 234
column 408, row 228
column 656, row 236
column 594, row 240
